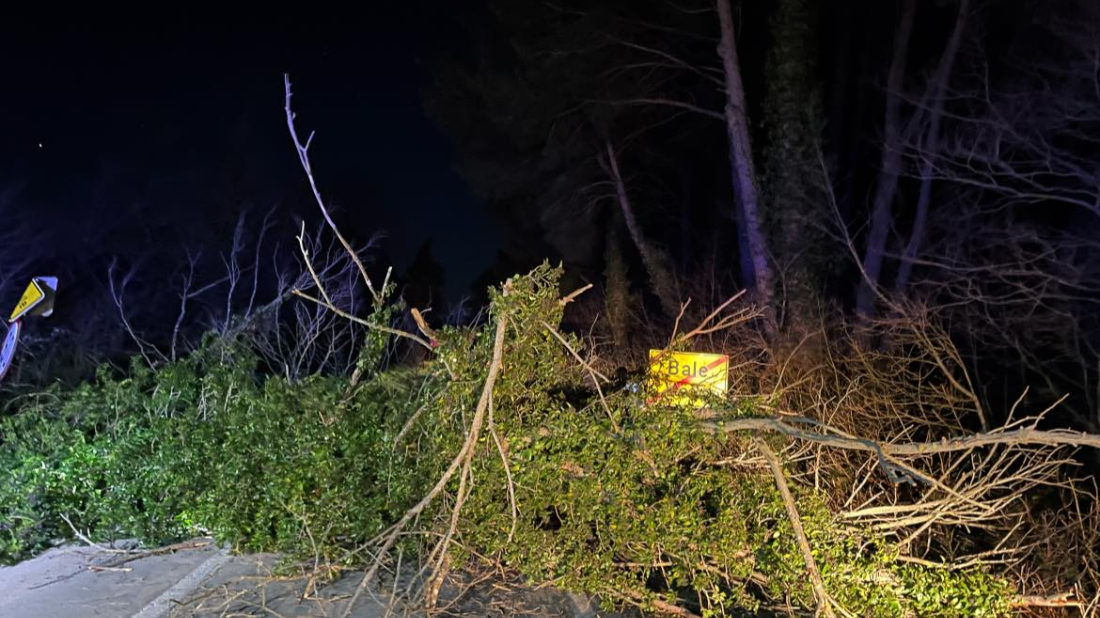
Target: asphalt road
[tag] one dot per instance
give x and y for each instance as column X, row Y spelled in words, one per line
column 200, row 580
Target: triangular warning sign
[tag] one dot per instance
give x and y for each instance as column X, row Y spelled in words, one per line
column 32, row 296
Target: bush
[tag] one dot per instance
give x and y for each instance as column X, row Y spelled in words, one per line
column 205, row 445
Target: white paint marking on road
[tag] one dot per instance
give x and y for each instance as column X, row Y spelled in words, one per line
column 158, row 607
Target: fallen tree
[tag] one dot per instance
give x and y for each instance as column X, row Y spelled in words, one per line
column 635, row 503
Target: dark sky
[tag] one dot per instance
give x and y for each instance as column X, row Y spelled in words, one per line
column 116, row 135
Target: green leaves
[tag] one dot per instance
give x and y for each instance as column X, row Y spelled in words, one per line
column 644, row 508
column 202, row 445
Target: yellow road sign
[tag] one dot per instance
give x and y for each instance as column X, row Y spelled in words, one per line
column 32, row 296
column 687, row 378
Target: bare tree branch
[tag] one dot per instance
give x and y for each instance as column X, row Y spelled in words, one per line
column 303, row 157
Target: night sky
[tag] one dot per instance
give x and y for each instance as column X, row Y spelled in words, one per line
column 117, row 136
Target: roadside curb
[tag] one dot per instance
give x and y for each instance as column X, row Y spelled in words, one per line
column 158, row 607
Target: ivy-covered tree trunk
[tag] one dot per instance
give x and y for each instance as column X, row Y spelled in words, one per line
column 793, row 186
column 746, row 197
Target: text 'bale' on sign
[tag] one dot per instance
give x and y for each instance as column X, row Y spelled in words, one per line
column 687, row 378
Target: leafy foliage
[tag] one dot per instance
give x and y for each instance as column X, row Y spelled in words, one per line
column 633, row 502
column 205, row 444
column 613, row 496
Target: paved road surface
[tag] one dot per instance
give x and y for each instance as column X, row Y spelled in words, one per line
column 201, row 580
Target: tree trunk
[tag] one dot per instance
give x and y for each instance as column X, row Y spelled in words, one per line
column 624, row 201
column 617, row 301
column 791, row 182
column 936, row 89
column 662, row 283
column 748, row 275
column 741, row 166
column 882, row 211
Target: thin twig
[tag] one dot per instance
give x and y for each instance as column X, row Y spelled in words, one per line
column 573, row 295
column 167, row 549
column 666, row 102
column 358, row 320
column 708, row 325
column 595, row 375
column 309, row 265
column 78, row 534
column 824, row 601
column 409, row 424
column 303, row 157
column 662, row 606
column 564, row 342
column 99, row 568
column 676, row 324
column 507, row 473
column 1065, row 599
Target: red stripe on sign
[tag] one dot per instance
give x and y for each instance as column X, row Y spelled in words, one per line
column 718, row 363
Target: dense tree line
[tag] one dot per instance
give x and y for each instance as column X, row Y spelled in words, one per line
column 815, row 157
